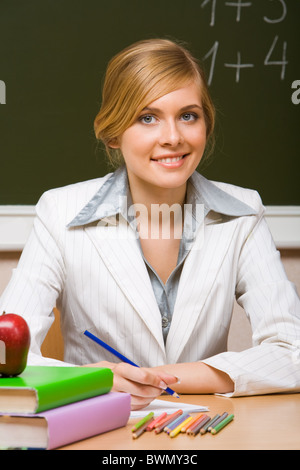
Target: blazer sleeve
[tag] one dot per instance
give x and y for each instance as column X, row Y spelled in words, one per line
column 38, row 280
column 272, row 305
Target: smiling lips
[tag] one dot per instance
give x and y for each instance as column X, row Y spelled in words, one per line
column 170, row 161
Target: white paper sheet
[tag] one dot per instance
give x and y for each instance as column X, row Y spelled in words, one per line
column 159, row 406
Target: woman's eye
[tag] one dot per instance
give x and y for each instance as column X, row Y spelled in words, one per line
column 189, row 117
column 147, row 119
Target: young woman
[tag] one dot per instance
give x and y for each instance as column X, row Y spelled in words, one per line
column 150, row 257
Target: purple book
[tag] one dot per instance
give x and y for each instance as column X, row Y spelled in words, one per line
column 66, row 424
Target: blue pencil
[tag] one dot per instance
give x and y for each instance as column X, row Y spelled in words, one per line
column 120, row 356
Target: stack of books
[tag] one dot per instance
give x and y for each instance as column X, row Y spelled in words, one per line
column 48, row 407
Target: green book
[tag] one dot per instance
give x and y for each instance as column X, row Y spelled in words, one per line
column 41, row 388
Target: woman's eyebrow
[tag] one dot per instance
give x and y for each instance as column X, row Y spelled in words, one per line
column 184, row 108
column 191, row 106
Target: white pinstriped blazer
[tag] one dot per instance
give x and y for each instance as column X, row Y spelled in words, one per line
column 101, row 283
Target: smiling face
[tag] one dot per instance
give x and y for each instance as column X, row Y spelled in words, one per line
column 165, row 144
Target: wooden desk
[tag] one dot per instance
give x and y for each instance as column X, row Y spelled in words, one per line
column 261, row 422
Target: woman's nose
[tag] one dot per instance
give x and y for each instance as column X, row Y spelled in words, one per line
column 170, row 134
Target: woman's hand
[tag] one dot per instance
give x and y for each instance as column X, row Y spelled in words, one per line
column 143, row 384
column 146, row 384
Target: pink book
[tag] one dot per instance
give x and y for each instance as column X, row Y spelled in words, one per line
column 66, row 424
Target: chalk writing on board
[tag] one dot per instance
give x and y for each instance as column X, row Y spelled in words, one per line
column 240, row 4
column 280, row 18
column 2, row 92
column 239, row 64
column 283, row 62
column 296, row 93
column 275, row 52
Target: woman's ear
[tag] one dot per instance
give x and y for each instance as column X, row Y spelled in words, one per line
column 114, row 143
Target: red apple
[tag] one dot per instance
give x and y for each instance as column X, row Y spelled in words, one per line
column 15, row 342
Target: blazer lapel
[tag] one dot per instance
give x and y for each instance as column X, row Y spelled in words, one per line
column 197, row 279
column 119, row 249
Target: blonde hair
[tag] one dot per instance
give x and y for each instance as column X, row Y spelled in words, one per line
column 139, row 75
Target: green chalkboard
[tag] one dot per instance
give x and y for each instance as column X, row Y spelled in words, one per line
column 53, row 54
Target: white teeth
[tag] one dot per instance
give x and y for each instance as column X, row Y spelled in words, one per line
column 170, row 160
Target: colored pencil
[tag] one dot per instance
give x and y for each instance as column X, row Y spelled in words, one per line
column 177, row 430
column 141, row 430
column 144, row 420
column 197, row 423
column 191, row 423
column 222, row 424
column 156, row 421
column 160, row 426
column 223, row 416
column 169, row 418
column 208, row 424
column 176, row 422
column 197, row 428
column 120, row 356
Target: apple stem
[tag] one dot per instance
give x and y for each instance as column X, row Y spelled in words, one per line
column 3, row 313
